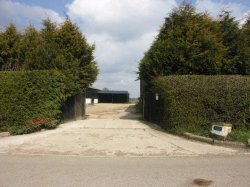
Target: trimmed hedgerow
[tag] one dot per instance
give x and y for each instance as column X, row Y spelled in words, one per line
column 30, row 100
column 192, row 102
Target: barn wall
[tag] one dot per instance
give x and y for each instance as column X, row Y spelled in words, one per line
column 113, row 98
column 74, row 108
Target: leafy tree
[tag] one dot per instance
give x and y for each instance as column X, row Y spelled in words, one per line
column 74, row 44
column 1, row 49
column 244, row 66
column 105, row 89
column 61, row 47
column 49, row 32
column 187, row 44
column 9, row 41
column 45, row 52
column 80, row 65
column 29, row 45
column 232, row 40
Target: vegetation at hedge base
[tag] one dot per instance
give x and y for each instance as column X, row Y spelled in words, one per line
column 39, row 70
column 194, row 43
column 191, row 102
column 30, row 100
column 240, row 135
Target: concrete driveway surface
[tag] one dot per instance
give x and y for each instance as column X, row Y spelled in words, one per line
column 110, row 130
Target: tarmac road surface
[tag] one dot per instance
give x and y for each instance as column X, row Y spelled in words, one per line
column 65, row 171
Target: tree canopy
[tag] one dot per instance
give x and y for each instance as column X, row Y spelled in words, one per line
column 61, row 47
column 9, row 41
column 194, row 43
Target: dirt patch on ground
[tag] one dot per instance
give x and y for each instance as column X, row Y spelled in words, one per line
column 102, row 108
column 112, row 111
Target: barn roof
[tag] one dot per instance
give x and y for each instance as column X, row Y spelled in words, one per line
column 113, row 92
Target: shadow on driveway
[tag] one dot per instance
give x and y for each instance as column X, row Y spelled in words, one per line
column 132, row 114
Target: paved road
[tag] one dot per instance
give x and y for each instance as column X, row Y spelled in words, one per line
column 30, row 171
column 110, row 131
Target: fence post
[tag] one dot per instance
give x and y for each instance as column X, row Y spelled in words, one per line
column 143, row 106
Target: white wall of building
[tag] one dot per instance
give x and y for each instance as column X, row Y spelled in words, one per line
column 88, row 101
column 96, row 101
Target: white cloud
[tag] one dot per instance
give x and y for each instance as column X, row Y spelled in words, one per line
column 123, row 19
column 22, row 14
column 122, row 31
column 244, row 17
column 119, row 61
column 214, row 8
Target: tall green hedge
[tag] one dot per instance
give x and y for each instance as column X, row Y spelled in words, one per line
column 30, row 100
column 192, row 102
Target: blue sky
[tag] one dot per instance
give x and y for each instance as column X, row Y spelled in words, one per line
column 122, row 30
column 57, row 5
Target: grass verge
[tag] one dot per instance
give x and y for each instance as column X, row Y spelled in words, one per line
column 240, row 135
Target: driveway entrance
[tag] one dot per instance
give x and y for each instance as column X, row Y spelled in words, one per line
column 110, row 130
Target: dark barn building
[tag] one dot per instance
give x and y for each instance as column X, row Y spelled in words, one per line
column 113, row 96
column 74, row 108
column 92, row 95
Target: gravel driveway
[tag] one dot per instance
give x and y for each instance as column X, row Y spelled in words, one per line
column 110, row 130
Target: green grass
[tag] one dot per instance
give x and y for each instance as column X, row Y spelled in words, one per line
column 240, row 135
